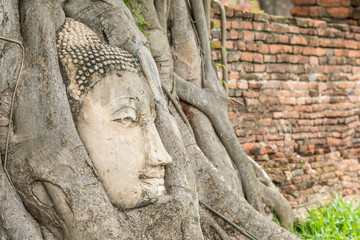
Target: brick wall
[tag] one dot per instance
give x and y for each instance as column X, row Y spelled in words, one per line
column 297, row 84
column 241, row 4
column 346, row 11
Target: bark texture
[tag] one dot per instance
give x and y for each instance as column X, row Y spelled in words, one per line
column 56, row 193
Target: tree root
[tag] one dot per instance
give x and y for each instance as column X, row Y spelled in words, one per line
column 273, row 198
column 248, row 169
column 4, row 164
column 240, row 229
column 214, row 107
column 208, row 223
column 178, row 108
column 223, row 44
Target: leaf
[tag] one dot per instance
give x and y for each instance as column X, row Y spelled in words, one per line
column 224, row 49
column 215, row 26
column 221, row 65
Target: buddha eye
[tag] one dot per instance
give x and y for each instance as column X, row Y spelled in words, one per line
column 127, row 116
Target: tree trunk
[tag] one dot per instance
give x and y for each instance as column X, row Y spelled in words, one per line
column 50, row 188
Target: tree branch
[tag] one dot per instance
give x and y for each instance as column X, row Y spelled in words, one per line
column 223, row 44
column 178, row 108
column 207, row 8
column 187, row 92
column 210, row 78
column 4, row 164
column 162, row 9
column 213, row 106
column 243, row 231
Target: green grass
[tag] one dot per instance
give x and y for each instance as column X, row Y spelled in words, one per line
column 337, row 220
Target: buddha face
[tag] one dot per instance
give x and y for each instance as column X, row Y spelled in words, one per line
column 116, row 124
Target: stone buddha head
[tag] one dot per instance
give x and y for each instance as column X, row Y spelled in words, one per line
column 114, row 111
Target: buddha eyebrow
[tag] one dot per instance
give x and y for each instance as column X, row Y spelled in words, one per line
column 122, row 102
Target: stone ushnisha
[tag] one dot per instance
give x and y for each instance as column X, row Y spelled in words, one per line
column 84, row 58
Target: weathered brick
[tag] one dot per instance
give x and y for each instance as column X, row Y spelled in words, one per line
column 250, row 94
column 338, row 43
column 313, row 42
column 234, row 75
column 244, row 14
column 240, row 24
column 258, row 58
column 229, row 45
column 314, row 51
column 317, row 23
column 333, row 141
column 269, row 58
column 276, row 27
column 315, row 11
column 275, row 68
column 345, row 85
column 298, row 59
column 298, row 40
column 263, row 48
column 293, row 29
column 328, row 3
column 313, row 60
column 259, row 68
column 353, row 54
column 280, row 49
column 252, row 101
column 325, row 42
column 246, row 56
column 303, row 108
column 259, row 26
column 351, row 44
column 298, row 50
column 251, row 46
column 248, row 36
column 338, row 52
column 346, row 3
column 255, row 85
column 283, row 39
column 303, row 2
column 242, row 84
column 300, row 11
column 229, row 12
column 241, row 45
column 261, row 17
column 234, row 34
column 338, row 12
column 260, row 36
column 234, row 56
column 301, row 22
column 232, row 83
column 272, row 38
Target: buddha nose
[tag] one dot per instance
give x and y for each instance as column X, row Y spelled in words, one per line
column 156, row 152
column 158, row 156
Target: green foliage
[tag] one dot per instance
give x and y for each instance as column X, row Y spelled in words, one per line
column 135, row 7
column 224, row 83
column 221, row 65
column 337, row 220
column 254, row 4
column 218, row 46
column 216, row 26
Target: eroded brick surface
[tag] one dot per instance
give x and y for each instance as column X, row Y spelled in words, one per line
column 299, row 82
